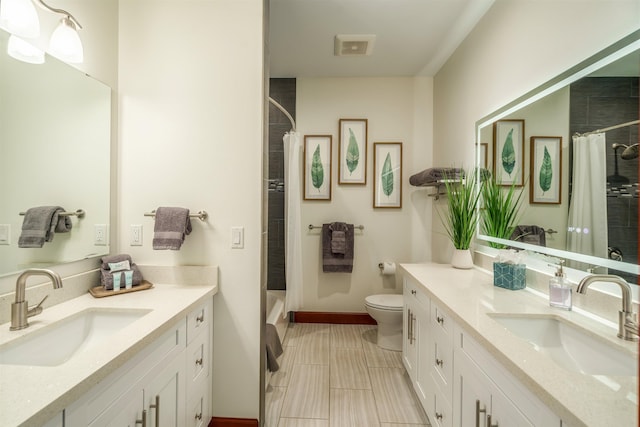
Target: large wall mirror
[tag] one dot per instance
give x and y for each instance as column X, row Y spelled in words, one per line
column 55, row 133
column 576, row 145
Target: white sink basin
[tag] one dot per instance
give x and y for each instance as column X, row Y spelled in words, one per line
column 570, row 346
column 57, row 343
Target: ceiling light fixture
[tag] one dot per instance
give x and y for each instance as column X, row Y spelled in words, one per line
column 65, row 42
column 19, row 17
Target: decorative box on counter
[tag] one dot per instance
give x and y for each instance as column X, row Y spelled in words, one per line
column 509, row 276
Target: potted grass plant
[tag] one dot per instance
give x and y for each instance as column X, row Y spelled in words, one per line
column 500, row 212
column 461, row 219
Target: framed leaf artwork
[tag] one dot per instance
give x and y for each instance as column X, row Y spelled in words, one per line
column 545, row 182
column 317, row 167
column 352, row 152
column 508, row 152
column 387, row 175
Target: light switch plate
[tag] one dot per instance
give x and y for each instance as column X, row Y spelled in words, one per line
column 237, row 237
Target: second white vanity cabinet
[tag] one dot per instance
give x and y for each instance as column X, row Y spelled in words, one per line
column 166, row 384
column 415, row 347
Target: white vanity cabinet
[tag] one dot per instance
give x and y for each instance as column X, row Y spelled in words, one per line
column 56, row 421
column 162, row 385
column 415, row 347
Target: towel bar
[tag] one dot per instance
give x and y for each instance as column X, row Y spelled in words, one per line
column 311, row 226
column 201, row 215
column 79, row 213
column 550, row 231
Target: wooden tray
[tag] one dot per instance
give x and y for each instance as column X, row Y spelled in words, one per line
column 99, row 291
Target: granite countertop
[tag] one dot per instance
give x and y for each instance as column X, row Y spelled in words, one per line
column 578, row 399
column 32, row 395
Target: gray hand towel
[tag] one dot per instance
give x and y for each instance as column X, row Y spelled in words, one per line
column 274, row 347
column 172, row 225
column 335, row 262
column 338, row 237
column 106, row 278
column 39, row 225
column 109, row 259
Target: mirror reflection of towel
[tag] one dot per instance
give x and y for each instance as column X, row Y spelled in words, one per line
column 39, row 225
column 531, row 234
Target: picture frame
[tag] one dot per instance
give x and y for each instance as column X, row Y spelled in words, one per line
column 317, row 167
column 352, row 152
column 484, row 154
column 545, row 180
column 387, row 175
column 508, row 152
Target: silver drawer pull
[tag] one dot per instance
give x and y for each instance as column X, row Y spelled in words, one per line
column 440, row 319
column 439, row 362
column 200, row 318
column 199, row 416
column 489, row 424
column 143, row 421
column 438, row 416
column 199, row 361
column 156, row 406
column 478, row 412
column 413, row 291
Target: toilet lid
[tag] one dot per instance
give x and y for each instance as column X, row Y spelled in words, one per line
column 385, row 301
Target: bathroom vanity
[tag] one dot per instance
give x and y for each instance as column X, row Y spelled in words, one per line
column 153, row 367
column 476, row 355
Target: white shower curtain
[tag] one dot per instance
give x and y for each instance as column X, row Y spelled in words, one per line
column 293, row 235
column 587, row 224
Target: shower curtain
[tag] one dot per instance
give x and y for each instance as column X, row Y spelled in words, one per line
column 587, row 224
column 293, row 237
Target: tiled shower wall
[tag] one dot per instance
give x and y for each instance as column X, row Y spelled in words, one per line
column 282, row 91
column 597, row 103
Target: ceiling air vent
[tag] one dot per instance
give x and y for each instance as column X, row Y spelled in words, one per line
column 353, row 45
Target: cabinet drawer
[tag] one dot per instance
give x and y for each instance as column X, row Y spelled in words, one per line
column 413, row 290
column 198, row 358
column 442, row 364
column 198, row 407
column 198, row 320
column 443, row 415
column 441, row 321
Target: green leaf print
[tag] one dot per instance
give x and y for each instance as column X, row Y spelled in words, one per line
column 387, row 176
column 353, row 153
column 546, row 171
column 508, row 154
column 317, row 171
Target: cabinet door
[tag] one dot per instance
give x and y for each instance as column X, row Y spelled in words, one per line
column 422, row 331
column 409, row 346
column 165, row 396
column 504, row 412
column 475, row 394
column 125, row 412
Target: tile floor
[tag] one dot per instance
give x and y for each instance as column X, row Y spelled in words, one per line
column 336, row 376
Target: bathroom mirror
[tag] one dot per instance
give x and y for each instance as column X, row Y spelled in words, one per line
column 55, row 125
column 599, row 93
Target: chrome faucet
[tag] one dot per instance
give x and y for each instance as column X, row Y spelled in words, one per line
column 627, row 319
column 20, row 311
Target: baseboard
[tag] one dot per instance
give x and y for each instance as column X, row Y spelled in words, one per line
column 336, row 318
column 232, row 422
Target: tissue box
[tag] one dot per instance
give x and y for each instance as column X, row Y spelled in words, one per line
column 509, row 276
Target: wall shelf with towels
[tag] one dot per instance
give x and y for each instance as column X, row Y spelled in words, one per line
column 439, row 186
column 311, row 227
column 201, row 215
column 79, row 213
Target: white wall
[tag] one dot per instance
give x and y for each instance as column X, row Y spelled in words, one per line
column 398, row 110
column 517, row 46
column 191, row 113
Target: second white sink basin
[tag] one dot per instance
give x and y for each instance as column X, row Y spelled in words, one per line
column 570, row 346
column 55, row 344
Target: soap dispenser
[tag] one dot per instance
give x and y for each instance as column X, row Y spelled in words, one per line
column 560, row 289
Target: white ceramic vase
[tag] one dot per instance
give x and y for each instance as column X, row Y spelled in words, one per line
column 462, row 259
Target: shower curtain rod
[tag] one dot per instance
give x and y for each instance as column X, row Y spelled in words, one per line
column 621, row 125
column 286, row 113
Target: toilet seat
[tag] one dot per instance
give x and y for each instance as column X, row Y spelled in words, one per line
column 391, row 302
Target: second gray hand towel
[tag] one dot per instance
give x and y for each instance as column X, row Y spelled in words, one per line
column 172, row 225
column 39, row 225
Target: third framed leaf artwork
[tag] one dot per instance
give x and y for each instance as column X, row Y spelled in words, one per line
column 387, row 175
column 352, row 152
column 508, row 152
column 545, row 183
column 317, row 167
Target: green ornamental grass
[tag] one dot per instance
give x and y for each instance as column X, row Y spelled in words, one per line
column 462, row 217
column 500, row 212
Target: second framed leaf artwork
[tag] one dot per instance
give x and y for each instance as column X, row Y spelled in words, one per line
column 387, row 175
column 508, row 152
column 317, row 167
column 545, row 183
column 352, row 152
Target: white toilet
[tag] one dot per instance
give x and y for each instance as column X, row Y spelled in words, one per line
column 386, row 309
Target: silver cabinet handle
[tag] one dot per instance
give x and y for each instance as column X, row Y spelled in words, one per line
column 413, row 291
column 479, row 411
column 157, row 408
column 440, row 319
column 199, row 416
column 143, row 421
column 489, row 424
column 199, row 361
column 438, row 416
column 409, row 325
column 200, row 318
column 439, row 362
column 413, row 323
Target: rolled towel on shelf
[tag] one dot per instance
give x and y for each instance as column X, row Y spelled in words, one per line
column 171, row 227
column 433, row 175
column 39, row 225
column 106, row 277
column 111, row 259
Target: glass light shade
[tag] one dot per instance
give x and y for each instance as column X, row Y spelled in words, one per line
column 19, row 17
column 65, row 42
column 24, row 51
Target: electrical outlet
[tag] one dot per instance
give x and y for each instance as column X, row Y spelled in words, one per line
column 5, row 234
column 136, row 235
column 100, row 235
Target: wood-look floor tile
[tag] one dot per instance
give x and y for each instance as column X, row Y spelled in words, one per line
column 346, row 336
column 273, row 399
column 349, row 369
column 395, row 399
column 308, row 393
column 378, row 357
column 404, row 425
column 350, row 408
column 302, row 422
column 314, row 348
column 281, row 377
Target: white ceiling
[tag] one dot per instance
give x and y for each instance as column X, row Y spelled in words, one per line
column 413, row 37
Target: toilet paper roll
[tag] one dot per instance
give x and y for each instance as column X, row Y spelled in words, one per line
column 388, row 268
